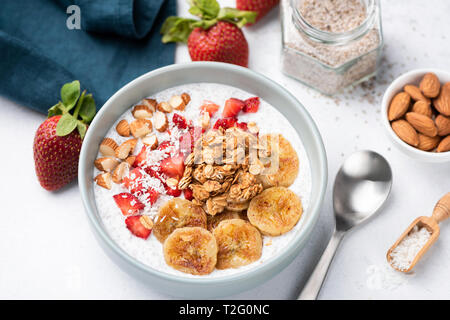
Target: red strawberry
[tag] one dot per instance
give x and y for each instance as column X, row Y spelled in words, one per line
column 210, row 107
column 128, row 203
column 133, row 181
column 141, row 158
column 260, row 6
column 174, row 166
column 232, row 107
column 179, row 121
column 151, row 195
column 165, row 145
column 172, row 192
column 242, row 125
column 188, row 194
column 251, row 105
column 136, row 227
column 223, row 42
column 55, row 157
column 225, row 123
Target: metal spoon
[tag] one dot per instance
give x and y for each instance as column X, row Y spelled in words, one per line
column 361, row 187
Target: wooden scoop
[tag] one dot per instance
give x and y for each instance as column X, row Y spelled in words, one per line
column 440, row 213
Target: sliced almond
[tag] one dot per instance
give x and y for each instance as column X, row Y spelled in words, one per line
column 108, row 147
column 422, row 107
column 104, row 180
column 150, row 140
column 123, row 151
column 164, row 107
column 141, row 127
column 123, row 128
column 130, row 160
column 150, row 103
column 422, row 123
column 442, row 102
column 252, row 127
column 205, row 120
column 120, row 172
column 106, row 164
column 172, row 183
column 186, row 98
column 146, row 222
column 177, row 103
column 415, row 93
column 430, row 85
column 405, row 132
column 444, row 145
column 160, row 121
column 428, row 143
column 399, row 105
column 443, row 125
column 142, row 111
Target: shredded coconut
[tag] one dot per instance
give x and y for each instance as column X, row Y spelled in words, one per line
column 405, row 252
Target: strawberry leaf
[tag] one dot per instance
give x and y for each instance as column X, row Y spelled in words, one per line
column 205, row 9
column 87, row 108
column 239, row 17
column 66, row 125
column 56, row 110
column 176, row 29
column 82, row 128
column 70, row 93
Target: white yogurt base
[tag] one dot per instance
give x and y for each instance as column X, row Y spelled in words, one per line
column 268, row 119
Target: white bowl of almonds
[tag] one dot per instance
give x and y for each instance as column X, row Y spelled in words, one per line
column 416, row 114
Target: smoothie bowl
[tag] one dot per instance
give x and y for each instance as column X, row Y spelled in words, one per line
column 202, row 179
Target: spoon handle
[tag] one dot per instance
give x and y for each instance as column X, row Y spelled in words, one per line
column 442, row 209
column 312, row 288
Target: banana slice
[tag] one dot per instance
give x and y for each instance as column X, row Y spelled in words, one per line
column 288, row 162
column 191, row 250
column 177, row 213
column 275, row 211
column 237, row 206
column 213, row 221
column 239, row 243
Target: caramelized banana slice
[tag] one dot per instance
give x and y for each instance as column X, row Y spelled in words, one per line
column 177, row 213
column 213, row 221
column 239, row 243
column 191, row 250
column 237, row 206
column 275, row 211
column 288, row 162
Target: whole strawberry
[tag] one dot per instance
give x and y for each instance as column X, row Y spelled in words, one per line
column 57, row 144
column 223, row 42
column 260, row 6
column 216, row 37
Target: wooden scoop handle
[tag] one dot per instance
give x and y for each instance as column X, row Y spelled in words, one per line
column 442, row 209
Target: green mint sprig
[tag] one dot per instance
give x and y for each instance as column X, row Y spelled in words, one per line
column 84, row 104
column 178, row 29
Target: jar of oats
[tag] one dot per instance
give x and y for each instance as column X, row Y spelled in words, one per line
column 331, row 44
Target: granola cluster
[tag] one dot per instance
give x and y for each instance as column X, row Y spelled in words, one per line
column 223, row 170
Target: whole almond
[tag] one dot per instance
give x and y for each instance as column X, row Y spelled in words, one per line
column 422, row 107
column 123, row 128
column 443, row 125
column 430, row 85
column 415, row 93
column 442, row 102
column 444, row 145
column 427, row 143
column 399, row 105
column 406, row 132
column 422, row 123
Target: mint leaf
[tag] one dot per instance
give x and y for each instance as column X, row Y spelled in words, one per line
column 238, row 17
column 87, row 109
column 56, row 110
column 82, row 128
column 66, row 125
column 205, row 9
column 70, row 93
column 176, row 29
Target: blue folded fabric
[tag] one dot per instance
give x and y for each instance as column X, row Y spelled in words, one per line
column 118, row 41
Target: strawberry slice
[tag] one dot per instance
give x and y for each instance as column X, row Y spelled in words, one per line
column 172, row 192
column 186, row 143
column 133, row 182
column 128, row 203
column 242, row 125
column 179, row 121
column 225, row 123
column 188, row 194
column 232, row 107
column 251, row 105
column 136, row 227
column 141, row 158
column 174, row 166
column 210, row 107
column 152, row 195
column 165, row 145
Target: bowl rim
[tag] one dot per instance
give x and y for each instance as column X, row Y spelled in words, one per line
column 401, row 80
column 257, row 270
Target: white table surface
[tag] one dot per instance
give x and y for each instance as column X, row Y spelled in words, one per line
column 47, row 249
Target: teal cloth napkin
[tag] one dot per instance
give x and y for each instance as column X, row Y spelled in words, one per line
column 118, row 41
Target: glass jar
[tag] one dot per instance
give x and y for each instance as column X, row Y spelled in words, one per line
column 330, row 61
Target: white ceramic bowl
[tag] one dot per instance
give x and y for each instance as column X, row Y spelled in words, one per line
column 179, row 74
column 411, row 77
